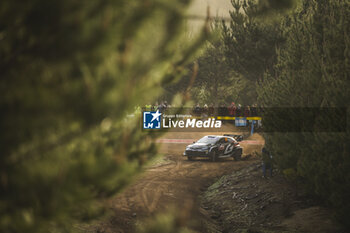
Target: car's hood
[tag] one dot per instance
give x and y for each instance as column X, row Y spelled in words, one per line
column 198, row 145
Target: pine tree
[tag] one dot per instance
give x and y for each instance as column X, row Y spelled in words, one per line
column 216, row 81
column 250, row 41
column 312, row 70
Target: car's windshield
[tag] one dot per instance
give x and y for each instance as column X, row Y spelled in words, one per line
column 208, row 140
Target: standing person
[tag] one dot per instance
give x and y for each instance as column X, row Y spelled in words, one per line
column 160, row 107
column 232, row 109
column 211, row 110
column 224, row 109
column 148, row 107
column 247, row 111
column 198, row 110
column 254, row 111
column 205, row 111
column 267, row 161
column 221, row 110
column 155, row 107
column 239, row 110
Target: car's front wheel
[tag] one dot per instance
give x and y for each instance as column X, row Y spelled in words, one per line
column 237, row 155
column 213, row 156
column 190, row 158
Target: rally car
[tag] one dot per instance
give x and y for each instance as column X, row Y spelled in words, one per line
column 214, row 147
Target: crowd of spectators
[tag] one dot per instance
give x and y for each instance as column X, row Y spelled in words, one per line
column 229, row 110
column 158, row 106
column 232, row 110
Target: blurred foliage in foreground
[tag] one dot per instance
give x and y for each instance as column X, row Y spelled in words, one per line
column 70, row 71
column 172, row 221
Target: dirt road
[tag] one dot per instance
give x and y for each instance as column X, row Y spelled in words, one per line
column 175, row 182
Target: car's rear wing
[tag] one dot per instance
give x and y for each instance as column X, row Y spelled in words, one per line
column 238, row 137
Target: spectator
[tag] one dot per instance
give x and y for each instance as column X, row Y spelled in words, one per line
column 160, row 107
column 205, row 111
column 232, row 109
column 197, row 110
column 267, row 161
column 148, row 107
column 254, row 111
column 155, row 107
column 239, row 110
column 211, row 110
column 247, row 111
column 222, row 110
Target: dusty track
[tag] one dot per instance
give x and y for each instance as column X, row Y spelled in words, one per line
column 173, row 183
